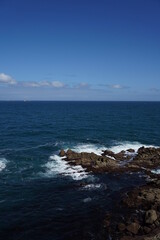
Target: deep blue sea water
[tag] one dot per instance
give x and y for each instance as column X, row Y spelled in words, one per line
column 41, row 197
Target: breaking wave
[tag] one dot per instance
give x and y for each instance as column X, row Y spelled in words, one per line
column 97, row 149
column 127, row 145
column 3, row 163
column 57, row 166
column 116, row 147
column 156, row 171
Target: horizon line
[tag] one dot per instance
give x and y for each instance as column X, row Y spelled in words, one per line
column 79, row 100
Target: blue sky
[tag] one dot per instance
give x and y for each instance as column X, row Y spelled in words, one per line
column 80, row 50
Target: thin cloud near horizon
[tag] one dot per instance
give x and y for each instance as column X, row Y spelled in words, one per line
column 8, row 80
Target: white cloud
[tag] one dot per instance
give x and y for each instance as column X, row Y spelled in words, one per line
column 116, row 86
column 55, row 84
column 31, row 84
column 82, row 85
column 4, row 78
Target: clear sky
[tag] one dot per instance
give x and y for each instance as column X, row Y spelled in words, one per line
column 80, row 50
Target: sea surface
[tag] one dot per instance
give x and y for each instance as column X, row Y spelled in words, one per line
column 41, row 196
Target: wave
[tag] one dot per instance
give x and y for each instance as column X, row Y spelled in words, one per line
column 156, row 171
column 97, row 149
column 116, row 147
column 58, row 166
column 3, row 163
column 119, row 146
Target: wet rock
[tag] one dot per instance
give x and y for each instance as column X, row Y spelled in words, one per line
column 62, row 153
column 91, row 161
column 147, row 229
column 121, row 227
column 147, row 157
column 138, row 209
column 151, row 216
column 133, row 227
column 157, row 223
column 130, row 150
column 117, row 156
column 108, row 153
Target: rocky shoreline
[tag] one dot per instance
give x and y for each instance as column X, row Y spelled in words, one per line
column 137, row 214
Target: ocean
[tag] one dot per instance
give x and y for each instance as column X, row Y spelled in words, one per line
column 44, row 198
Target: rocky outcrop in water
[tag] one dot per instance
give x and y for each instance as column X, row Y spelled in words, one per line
column 148, row 158
column 90, row 161
column 137, row 214
column 108, row 161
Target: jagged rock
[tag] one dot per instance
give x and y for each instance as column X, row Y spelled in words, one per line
column 62, row 153
column 135, row 204
column 151, row 216
column 146, row 229
column 130, row 150
column 133, row 227
column 108, row 153
column 91, row 161
column 147, row 157
column 117, row 156
column 157, row 223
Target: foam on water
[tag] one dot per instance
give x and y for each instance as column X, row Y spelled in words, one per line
column 57, row 166
column 127, row 145
column 116, row 148
column 156, row 171
column 95, row 186
column 3, row 163
column 88, row 148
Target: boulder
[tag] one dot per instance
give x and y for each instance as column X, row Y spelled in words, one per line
column 133, row 227
column 62, row 153
column 148, row 158
column 147, row 229
column 151, row 216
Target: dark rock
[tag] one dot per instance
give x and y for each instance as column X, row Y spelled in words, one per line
column 151, row 216
column 133, row 228
column 147, row 157
column 147, row 229
column 62, row 153
column 157, row 223
column 121, row 227
column 130, row 150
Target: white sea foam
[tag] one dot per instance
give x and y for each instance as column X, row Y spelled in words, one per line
column 127, row 145
column 95, row 186
column 3, row 163
column 57, row 166
column 156, row 171
column 86, row 200
column 88, row 148
column 116, row 148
